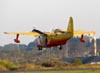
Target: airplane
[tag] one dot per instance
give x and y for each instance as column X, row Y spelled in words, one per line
column 51, row 39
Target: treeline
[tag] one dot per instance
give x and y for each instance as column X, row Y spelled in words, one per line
column 21, row 54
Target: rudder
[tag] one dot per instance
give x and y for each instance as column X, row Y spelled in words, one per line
column 70, row 25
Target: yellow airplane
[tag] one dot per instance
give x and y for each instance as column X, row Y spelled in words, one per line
column 52, row 39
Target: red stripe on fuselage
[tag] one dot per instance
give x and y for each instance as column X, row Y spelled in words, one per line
column 55, row 43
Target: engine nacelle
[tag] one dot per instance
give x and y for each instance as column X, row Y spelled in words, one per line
column 16, row 40
column 82, row 39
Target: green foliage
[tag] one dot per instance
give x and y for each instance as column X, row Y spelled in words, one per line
column 77, row 61
column 3, row 68
column 8, row 65
column 27, row 67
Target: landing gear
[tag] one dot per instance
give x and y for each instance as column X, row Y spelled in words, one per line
column 60, row 47
column 39, row 48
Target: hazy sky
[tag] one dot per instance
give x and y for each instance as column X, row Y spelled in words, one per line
column 22, row 15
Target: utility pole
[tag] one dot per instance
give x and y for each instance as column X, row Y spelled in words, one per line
column 95, row 46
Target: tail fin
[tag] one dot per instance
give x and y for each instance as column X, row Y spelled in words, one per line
column 70, row 26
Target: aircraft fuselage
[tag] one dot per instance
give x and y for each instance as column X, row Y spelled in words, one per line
column 54, row 39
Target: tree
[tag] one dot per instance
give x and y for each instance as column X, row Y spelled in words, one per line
column 77, row 61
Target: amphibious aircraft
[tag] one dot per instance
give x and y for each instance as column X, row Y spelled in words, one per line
column 52, row 39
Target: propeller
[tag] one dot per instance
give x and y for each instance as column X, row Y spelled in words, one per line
column 38, row 31
column 58, row 30
column 51, row 29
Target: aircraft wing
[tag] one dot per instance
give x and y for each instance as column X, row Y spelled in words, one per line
column 79, row 33
column 24, row 33
column 76, row 33
column 28, row 33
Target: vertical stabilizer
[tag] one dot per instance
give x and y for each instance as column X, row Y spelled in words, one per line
column 70, row 25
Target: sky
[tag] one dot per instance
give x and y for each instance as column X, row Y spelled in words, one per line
column 24, row 15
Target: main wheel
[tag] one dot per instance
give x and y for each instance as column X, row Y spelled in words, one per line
column 60, row 47
column 39, row 48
